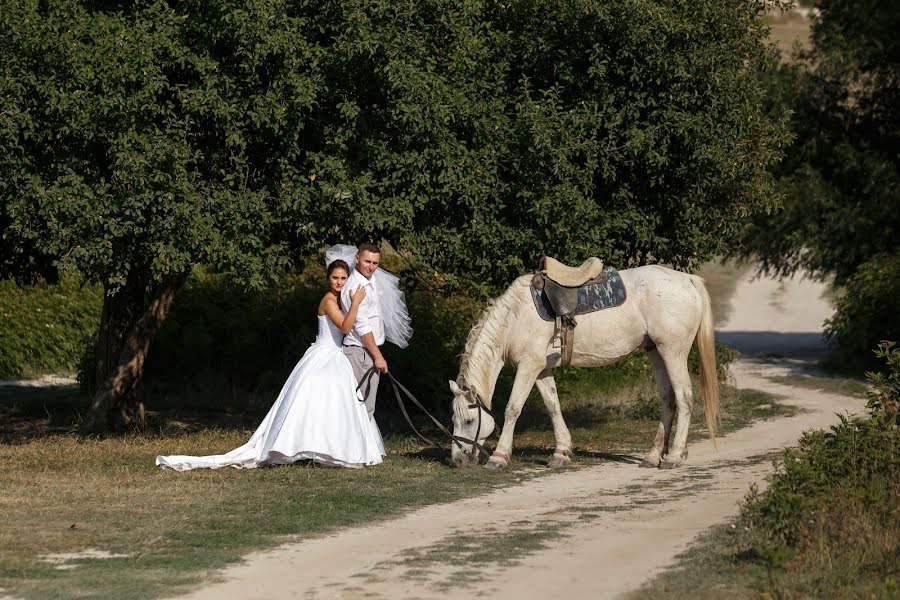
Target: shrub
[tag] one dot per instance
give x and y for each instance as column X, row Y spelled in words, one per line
column 223, row 336
column 227, row 347
column 645, row 407
column 867, row 312
column 839, row 486
column 725, row 355
column 42, row 326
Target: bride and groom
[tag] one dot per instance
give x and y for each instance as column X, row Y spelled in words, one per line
column 324, row 412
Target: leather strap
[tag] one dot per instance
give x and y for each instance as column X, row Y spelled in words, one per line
column 459, row 441
column 568, row 340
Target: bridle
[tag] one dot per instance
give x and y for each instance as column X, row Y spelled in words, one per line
column 455, row 439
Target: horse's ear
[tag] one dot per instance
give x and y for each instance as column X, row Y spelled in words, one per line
column 455, row 388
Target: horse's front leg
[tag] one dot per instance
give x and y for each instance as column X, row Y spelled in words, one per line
column 522, row 385
column 562, row 455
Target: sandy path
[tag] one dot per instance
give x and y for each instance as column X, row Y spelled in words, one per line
column 777, row 317
column 612, row 526
column 599, row 532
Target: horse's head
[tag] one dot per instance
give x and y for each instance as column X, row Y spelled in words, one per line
column 470, row 421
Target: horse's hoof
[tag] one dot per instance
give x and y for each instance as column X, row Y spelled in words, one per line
column 494, row 465
column 649, row 464
column 669, row 464
column 559, row 462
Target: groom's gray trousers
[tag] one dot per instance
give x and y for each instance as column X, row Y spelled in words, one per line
column 362, row 361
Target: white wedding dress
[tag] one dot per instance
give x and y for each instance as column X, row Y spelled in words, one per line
column 317, row 416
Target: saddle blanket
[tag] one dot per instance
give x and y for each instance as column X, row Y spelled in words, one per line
column 606, row 291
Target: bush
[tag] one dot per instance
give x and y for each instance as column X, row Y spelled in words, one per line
column 226, row 347
column 220, row 336
column 839, row 491
column 867, row 312
column 42, row 326
column 645, row 407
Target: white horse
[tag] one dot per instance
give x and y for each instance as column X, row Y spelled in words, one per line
column 664, row 313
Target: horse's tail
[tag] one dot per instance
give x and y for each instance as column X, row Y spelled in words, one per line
column 706, row 348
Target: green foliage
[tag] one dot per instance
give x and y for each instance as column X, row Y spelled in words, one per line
column 42, row 326
column 866, row 312
column 224, row 345
column 441, row 325
column 138, row 142
column 884, row 398
column 591, row 383
column 645, row 407
column 841, row 176
column 473, row 135
column 629, row 130
column 246, row 338
column 725, row 355
column 858, row 460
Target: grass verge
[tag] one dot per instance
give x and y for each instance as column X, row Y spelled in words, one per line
column 61, row 493
column 832, row 385
column 828, row 526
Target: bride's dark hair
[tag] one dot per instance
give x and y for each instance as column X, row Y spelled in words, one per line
column 337, row 264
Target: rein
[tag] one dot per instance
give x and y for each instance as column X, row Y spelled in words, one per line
column 455, row 439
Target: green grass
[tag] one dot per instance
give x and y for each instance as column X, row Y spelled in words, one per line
column 862, row 563
column 832, row 385
column 67, row 494
column 741, row 407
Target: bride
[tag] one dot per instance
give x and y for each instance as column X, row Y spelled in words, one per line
column 318, row 415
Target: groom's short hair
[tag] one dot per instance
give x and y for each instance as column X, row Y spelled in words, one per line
column 367, row 247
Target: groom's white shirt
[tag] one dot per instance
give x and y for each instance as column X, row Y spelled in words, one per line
column 369, row 318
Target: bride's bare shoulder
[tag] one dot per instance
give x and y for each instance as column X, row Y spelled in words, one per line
column 326, row 301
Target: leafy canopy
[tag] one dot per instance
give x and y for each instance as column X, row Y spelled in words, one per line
column 139, row 139
column 841, row 176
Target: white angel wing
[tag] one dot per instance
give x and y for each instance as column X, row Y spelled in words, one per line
column 344, row 252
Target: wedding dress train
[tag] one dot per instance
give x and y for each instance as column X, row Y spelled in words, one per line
column 317, row 416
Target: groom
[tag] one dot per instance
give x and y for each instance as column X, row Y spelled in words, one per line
column 361, row 345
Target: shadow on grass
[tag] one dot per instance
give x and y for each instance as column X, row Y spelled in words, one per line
column 808, row 345
column 28, row 411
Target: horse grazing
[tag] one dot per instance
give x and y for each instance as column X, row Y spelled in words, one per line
column 664, row 313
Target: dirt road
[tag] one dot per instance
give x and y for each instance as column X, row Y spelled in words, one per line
column 594, row 532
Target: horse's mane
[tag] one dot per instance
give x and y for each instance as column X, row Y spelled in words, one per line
column 485, row 345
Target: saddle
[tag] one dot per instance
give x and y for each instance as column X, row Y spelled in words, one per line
column 568, row 276
column 561, row 292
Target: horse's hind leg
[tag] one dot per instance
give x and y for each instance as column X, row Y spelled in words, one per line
column 522, row 385
column 667, row 411
column 680, row 380
column 562, row 455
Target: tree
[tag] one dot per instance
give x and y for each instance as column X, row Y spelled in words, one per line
column 138, row 140
column 841, row 176
column 490, row 132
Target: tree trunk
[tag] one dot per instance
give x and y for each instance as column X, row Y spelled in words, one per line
column 128, row 323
